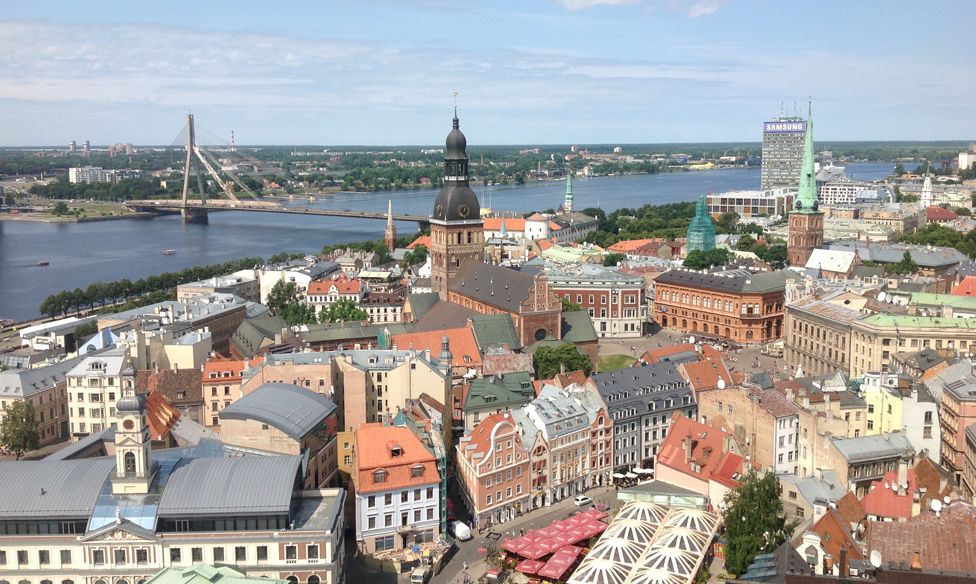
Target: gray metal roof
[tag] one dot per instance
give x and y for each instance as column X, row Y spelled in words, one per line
column 26, row 382
column 557, row 412
column 638, row 387
column 877, row 446
column 729, row 280
column 818, row 491
column 494, row 285
column 250, row 485
column 289, row 408
column 51, row 489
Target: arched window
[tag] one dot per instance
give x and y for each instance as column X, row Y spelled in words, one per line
column 748, row 335
column 293, row 579
column 121, row 581
column 313, row 580
column 67, row 582
column 46, row 582
column 130, row 462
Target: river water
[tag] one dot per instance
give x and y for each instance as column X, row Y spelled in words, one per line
column 82, row 253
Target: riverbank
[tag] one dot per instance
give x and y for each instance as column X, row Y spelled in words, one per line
column 50, row 218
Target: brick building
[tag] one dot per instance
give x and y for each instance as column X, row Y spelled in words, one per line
column 614, row 300
column 737, row 305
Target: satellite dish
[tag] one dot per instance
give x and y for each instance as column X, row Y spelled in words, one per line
column 946, row 499
column 876, row 558
column 936, row 505
column 881, row 296
column 721, row 383
column 691, row 340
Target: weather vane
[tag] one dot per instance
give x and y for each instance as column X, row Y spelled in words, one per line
column 455, row 102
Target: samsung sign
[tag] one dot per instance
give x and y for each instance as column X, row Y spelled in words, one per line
column 784, row 127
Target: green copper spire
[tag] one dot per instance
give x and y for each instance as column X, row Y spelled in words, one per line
column 568, row 202
column 806, row 198
column 701, row 230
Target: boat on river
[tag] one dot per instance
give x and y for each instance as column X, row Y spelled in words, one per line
column 169, row 252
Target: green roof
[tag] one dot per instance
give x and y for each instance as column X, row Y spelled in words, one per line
column 511, row 390
column 495, row 330
column 578, row 327
column 206, row 574
column 928, row 299
column 422, row 302
column 910, row 322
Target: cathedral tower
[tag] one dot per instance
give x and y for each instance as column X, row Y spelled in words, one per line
column 456, row 229
column 806, row 231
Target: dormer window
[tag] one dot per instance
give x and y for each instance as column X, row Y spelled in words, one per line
column 396, row 451
column 417, row 471
column 379, row 476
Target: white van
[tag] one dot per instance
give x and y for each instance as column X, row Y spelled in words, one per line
column 420, row 575
column 459, row 530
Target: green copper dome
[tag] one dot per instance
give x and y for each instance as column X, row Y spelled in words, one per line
column 701, row 230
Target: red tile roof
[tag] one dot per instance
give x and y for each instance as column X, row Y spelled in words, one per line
column 375, row 446
column 883, row 500
column 708, row 454
column 965, row 288
column 342, row 284
column 850, row 508
column 945, row 542
column 569, row 378
column 221, row 365
column 629, row 245
column 544, row 244
column 705, row 374
column 479, row 447
column 464, row 347
column 938, row 214
column 511, row 224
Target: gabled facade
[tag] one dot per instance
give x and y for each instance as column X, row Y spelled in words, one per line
column 494, row 470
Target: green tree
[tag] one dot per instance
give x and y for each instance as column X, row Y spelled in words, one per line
column 83, row 332
column 18, row 432
column 754, row 520
column 727, row 222
column 417, row 255
column 570, row 306
column 287, row 301
column 344, row 309
column 745, row 243
column 547, row 360
column 9, row 198
column 962, row 211
column 60, row 208
column 701, row 260
column 904, row 266
column 612, row 259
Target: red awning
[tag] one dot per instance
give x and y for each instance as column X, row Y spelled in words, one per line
column 529, row 566
column 535, row 550
column 545, row 532
column 560, row 563
column 514, row 544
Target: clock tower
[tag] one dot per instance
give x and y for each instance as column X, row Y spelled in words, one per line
column 456, row 229
column 134, row 470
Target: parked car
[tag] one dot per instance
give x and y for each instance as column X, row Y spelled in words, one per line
column 582, row 500
column 459, row 530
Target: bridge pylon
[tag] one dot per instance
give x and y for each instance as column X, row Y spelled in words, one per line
column 192, row 166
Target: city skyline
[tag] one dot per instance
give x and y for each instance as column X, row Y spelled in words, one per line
column 560, row 72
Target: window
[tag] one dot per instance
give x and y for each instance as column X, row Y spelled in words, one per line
column 379, row 476
column 488, row 500
column 291, row 552
column 417, row 470
column 384, row 543
column 928, row 417
column 430, row 513
column 240, row 553
column 388, row 520
column 44, row 557
column 119, row 557
column 65, row 557
column 174, row 554
column 371, row 523
column 142, row 556
column 404, row 496
column 416, row 494
column 404, row 519
column 262, row 553
column 371, row 501
column 218, row 554
column 98, row 557
column 197, row 554
column 388, row 499
column 313, row 552
column 430, row 492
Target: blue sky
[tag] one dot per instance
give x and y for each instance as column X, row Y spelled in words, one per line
column 530, row 72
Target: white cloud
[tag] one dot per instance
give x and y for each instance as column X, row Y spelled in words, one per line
column 703, row 8
column 584, row 4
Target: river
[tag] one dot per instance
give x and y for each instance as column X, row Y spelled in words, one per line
column 82, row 253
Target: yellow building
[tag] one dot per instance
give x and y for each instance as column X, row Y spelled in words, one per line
column 880, row 392
column 876, row 338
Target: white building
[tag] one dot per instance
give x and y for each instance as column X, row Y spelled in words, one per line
column 96, row 174
column 850, row 192
column 94, row 385
column 769, row 203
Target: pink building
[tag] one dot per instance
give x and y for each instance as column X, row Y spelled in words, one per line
column 493, row 466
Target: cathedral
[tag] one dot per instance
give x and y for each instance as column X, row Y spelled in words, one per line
column 806, row 230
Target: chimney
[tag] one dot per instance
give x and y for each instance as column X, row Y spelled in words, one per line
column 917, row 562
column 902, row 473
column 818, row 472
column 687, row 443
column 828, row 565
column 844, row 568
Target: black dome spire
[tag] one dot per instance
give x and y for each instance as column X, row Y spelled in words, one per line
column 456, row 142
column 456, row 201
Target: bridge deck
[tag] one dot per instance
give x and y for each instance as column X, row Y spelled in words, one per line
column 262, row 207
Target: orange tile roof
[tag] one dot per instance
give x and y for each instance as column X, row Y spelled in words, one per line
column 883, row 500
column 464, row 347
column 652, row 356
column 834, row 533
column 161, row 416
column 629, row 245
column 375, row 445
column 343, row 285
column 423, row 240
column 965, row 288
column 482, row 437
column 705, row 374
column 939, row 214
column 944, row 542
column 511, row 224
column 850, row 508
column 707, row 451
column 570, row 377
column 545, row 244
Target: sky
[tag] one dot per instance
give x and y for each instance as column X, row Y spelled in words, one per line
column 384, row 72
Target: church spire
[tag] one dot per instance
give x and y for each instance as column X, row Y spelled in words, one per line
column 389, row 236
column 806, row 196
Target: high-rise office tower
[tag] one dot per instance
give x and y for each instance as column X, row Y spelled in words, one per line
column 782, row 152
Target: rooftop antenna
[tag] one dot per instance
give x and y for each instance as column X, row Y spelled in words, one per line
column 796, row 110
column 455, row 103
column 782, row 111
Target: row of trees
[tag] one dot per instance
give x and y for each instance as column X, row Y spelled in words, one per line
column 940, row 235
column 102, row 293
column 133, row 188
